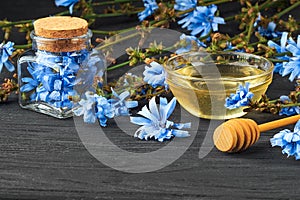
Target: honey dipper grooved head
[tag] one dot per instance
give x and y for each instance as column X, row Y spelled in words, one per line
column 236, row 135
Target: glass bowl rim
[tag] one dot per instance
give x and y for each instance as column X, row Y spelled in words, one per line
column 248, row 55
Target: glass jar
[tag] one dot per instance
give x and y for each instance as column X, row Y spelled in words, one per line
column 57, row 72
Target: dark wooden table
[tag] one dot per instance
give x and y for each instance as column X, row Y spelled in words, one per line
column 44, row 158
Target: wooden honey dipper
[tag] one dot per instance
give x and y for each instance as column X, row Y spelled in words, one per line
column 238, row 134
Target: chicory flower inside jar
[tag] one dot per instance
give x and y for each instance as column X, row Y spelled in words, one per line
column 60, row 68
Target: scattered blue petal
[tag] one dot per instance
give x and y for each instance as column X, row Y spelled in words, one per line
column 242, row 97
column 289, row 141
column 67, row 3
column 155, row 75
column 150, row 7
column 6, row 51
column 188, row 42
column 154, row 122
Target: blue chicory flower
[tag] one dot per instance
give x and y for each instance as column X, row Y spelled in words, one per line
column 268, row 32
column 86, row 107
column 104, row 110
column 93, row 107
column 66, row 3
column 6, row 50
column 155, row 123
column 183, row 5
column 204, row 20
column 155, row 75
column 242, row 97
column 121, row 106
column 289, row 141
column 150, row 7
column 294, row 47
column 291, row 110
column 278, row 68
column 292, row 67
column 189, row 42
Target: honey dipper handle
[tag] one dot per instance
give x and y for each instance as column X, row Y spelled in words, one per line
column 278, row 123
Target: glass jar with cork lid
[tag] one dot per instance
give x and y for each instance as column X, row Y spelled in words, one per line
column 60, row 68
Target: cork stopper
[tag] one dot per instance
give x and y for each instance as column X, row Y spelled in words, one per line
column 61, row 33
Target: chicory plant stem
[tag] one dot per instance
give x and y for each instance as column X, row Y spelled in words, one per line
column 275, row 60
column 112, row 2
column 250, row 30
column 216, row 2
column 287, row 105
column 116, row 14
column 23, row 46
column 4, row 24
column 290, row 105
column 266, row 4
column 112, row 32
column 295, row 5
column 118, row 66
column 117, row 41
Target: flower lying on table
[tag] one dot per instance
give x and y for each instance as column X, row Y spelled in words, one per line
column 155, row 123
column 97, row 106
column 289, row 141
column 94, row 106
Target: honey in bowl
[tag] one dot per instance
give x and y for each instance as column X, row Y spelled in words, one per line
column 201, row 82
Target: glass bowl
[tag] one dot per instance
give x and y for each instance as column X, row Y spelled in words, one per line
column 201, row 81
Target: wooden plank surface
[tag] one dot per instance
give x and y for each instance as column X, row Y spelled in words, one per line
column 44, row 158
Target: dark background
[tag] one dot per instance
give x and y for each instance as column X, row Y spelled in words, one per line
column 43, row 158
